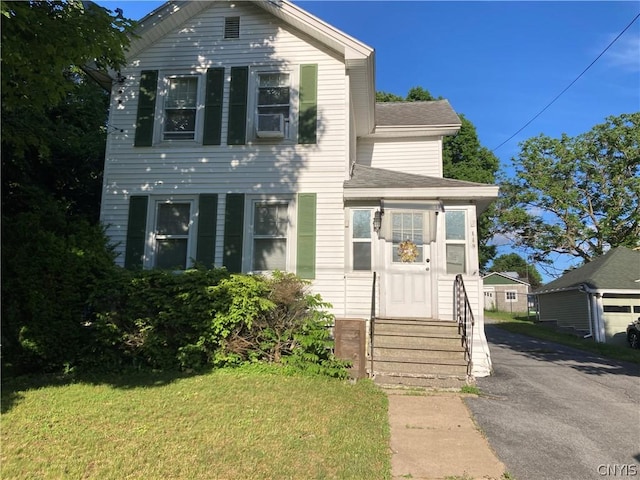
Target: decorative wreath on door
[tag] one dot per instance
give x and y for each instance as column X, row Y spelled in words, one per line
column 408, row 251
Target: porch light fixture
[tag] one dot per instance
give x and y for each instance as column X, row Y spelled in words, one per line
column 377, row 221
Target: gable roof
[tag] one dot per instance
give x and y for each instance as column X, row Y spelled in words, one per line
column 618, row 269
column 368, row 183
column 359, row 57
column 430, row 113
column 508, row 277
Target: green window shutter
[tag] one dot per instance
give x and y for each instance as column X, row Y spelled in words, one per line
column 307, row 123
column 213, row 107
column 136, row 232
column 237, row 128
column 233, row 232
column 146, row 108
column 207, row 219
column 306, row 248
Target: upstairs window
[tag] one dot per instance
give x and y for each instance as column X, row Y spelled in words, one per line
column 180, row 108
column 273, row 105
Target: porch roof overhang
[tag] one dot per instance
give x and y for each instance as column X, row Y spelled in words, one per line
column 367, row 183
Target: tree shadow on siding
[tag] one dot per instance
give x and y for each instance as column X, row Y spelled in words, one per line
column 266, row 169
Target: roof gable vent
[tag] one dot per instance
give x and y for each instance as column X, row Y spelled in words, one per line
column 232, row 27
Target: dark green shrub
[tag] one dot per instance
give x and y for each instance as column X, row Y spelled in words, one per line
column 51, row 263
column 202, row 318
column 157, row 318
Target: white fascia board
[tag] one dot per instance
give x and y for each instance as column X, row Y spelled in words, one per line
column 397, row 131
column 320, row 30
column 477, row 193
column 150, row 29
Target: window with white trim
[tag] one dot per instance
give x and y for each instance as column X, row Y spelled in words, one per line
column 511, row 296
column 361, row 234
column 269, row 240
column 172, row 226
column 455, row 241
column 407, row 226
column 273, row 105
column 180, row 107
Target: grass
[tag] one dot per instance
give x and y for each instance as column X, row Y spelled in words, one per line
column 228, row 424
column 523, row 325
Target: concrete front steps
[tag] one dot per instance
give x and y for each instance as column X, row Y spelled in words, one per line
column 418, row 353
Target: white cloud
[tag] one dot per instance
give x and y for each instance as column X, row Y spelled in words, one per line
column 625, row 53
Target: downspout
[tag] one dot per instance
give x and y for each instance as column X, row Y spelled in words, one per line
column 583, row 288
column 590, row 313
column 600, row 319
column 595, row 306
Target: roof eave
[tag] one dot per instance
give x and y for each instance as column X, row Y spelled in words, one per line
column 395, row 131
column 489, row 192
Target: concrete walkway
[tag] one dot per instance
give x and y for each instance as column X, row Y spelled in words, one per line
column 433, row 437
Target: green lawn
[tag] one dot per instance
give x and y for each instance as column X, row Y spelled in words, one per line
column 228, row 424
column 521, row 324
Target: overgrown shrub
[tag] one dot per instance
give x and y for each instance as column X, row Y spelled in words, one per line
column 51, row 262
column 156, row 318
column 206, row 318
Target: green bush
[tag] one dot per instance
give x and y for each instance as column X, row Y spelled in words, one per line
column 51, row 262
column 209, row 318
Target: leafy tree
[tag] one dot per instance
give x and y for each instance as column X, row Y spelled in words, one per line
column 576, row 196
column 512, row 262
column 463, row 158
column 53, row 136
column 45, row 44
column 388, row 97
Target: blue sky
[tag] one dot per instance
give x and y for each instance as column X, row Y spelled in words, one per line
column 500, row 63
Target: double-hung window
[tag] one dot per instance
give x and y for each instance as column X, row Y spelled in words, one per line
column 273, row 105
column 455, row 239
column 180, row 108
column 171, row 235
column 361, row 239
column 270, row 229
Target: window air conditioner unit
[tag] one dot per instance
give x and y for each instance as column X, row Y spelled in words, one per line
column 270, row 125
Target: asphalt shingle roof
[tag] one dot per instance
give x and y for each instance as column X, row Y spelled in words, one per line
column 618, row 269
column 437, row 112
column 369, row 177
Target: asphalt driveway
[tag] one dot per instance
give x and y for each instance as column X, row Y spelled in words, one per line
column 551, row 412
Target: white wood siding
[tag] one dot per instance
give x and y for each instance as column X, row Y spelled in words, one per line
column 189, row 168
column 420, row 156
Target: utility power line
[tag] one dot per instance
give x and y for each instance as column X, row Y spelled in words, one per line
column 570, row 85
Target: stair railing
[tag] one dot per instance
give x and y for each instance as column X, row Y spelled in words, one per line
column 464, row 316
column 372, row 321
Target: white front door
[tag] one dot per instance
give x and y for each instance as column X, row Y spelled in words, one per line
column 407, row 272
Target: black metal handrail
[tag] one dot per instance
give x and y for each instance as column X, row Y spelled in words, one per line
column 464, row 317
column 372, row 321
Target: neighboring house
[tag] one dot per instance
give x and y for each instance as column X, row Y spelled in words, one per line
column 505, row 292
column 600, row 298
column 246, row 135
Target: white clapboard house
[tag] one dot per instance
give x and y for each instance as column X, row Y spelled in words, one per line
column 246, row 135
